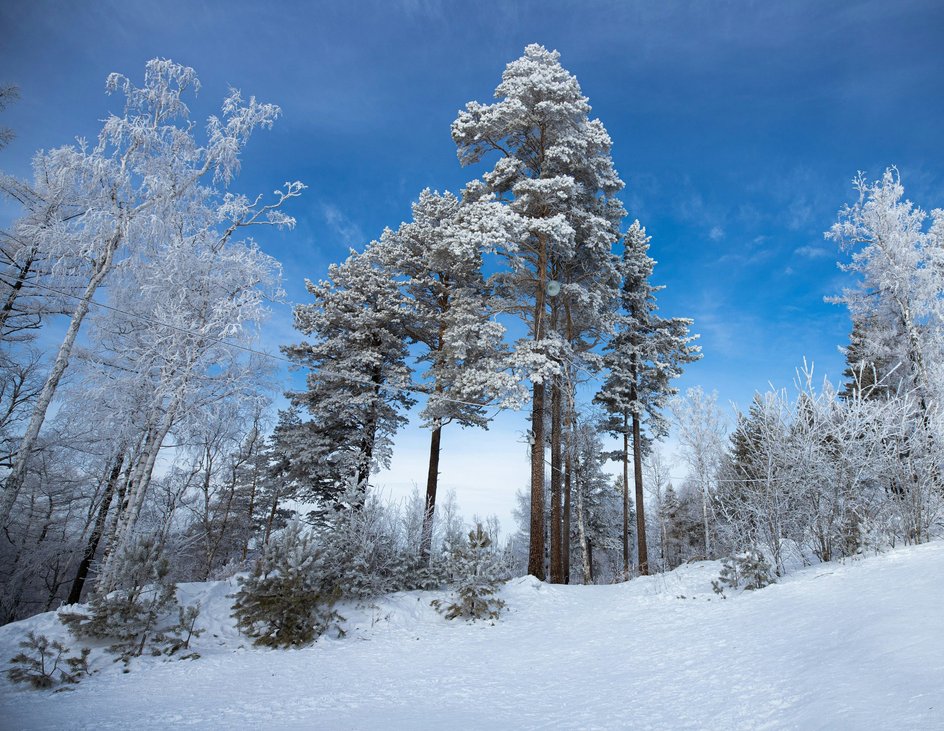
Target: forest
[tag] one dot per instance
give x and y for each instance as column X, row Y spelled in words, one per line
column 142, row 445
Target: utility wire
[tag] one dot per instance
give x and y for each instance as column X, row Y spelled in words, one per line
column 246, row 348
column 328, row 372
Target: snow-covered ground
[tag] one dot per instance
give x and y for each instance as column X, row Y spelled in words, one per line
column 852, row 646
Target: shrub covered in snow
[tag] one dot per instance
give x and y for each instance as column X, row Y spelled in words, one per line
column 478, row 571
column 369, row 551
column 41, row 663
column 287, row 600
column 141, row 615
column 748, row 570
column 365, row 550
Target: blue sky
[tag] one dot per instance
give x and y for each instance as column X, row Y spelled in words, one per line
column 737, row 127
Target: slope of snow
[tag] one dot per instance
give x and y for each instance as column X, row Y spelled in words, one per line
column 852, row 646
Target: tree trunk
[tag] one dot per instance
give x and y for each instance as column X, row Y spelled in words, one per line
column 432, row 482
column 207, row 512
column 704, row 511
column 139, row 483
column 586, row 559
column 121, row 502
column 15, row 289
column 368, row 440
column 565, row 528
column 75, row 593
column 640, row 509
column 536, row 543
column 625, row 497
column 249, row 513
column 270, row 521
column 221, row 534
column 568, row 423
column 17, row 476
column 557, row 562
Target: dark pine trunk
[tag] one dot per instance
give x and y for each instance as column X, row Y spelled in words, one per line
column 625, row 497
column 98, row 530
column 536, row 543
column 557, row 562
column 432, row 482
column 640, row 512
column 565, row 549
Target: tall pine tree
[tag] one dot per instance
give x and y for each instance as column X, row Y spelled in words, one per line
column 555, row 173
column 645, row 354
column 437, row 261
column 357, row 376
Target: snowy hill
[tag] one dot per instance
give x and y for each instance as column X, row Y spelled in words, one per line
column 852, row 646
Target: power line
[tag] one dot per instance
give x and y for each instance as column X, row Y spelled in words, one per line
column 328, row 372
column 246, row 348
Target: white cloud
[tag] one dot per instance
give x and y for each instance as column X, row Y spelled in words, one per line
column 716, row 233
column 349, row 232
column 813, row 252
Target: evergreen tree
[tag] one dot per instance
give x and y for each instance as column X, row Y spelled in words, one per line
column 287, row 598
column 437, row 259
column 748, row 569
column 357, row 378
column 556, row 175
column 42, row 663
column 644, row 355
column 142, row 613
column 684, row 532
column 478, row 571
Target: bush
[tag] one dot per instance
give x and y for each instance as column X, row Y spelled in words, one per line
column 368, row 551
column 287, row 599
column 141, row 615
column 748, row 568
column 365, row 551
column 39, row 664
column 478, row 572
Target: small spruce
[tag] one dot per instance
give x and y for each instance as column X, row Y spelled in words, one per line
column 138, row 616
column 748, row 569
column 478, row 574
column 287, row 599
column 41, row 663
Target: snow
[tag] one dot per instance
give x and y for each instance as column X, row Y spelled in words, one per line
column 833, row 646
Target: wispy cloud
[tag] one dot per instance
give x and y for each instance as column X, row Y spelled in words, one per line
column 422, row 8
column 813, row 252
column 749, row 253
column 798, row 198
column 799, row 213
column 346, row 230
column 694, row 209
